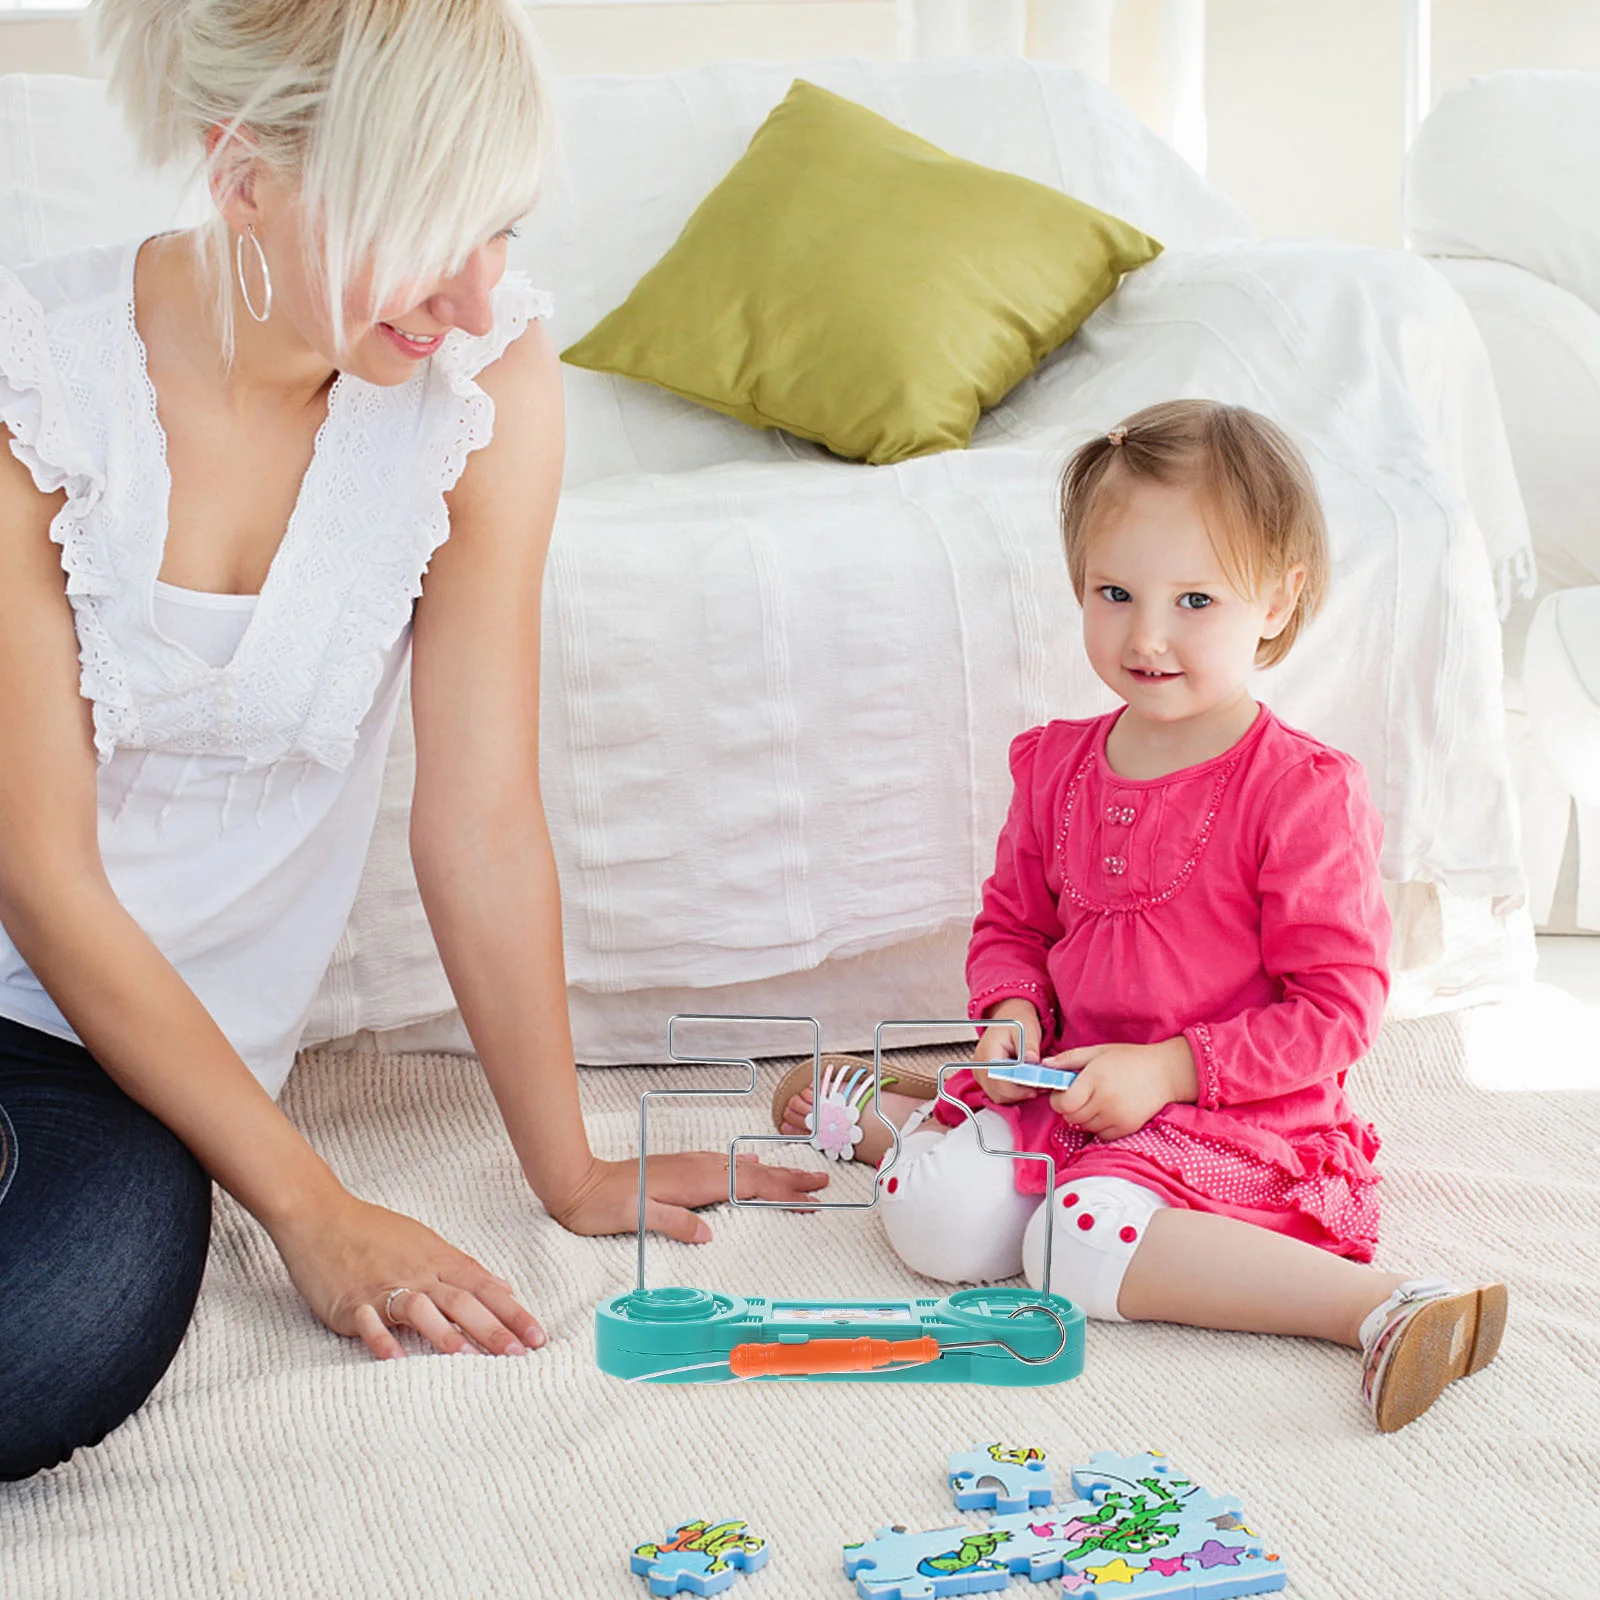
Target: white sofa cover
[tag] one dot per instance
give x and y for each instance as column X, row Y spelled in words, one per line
column 779, row 687
column 1499, row 196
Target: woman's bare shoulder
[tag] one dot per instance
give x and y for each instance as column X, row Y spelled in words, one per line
column 526, row 374
column 520, row 465
column 26, row 512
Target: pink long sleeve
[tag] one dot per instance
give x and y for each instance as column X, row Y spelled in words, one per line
column 1018, row 924
column 1324, row 941
column 1236, row 902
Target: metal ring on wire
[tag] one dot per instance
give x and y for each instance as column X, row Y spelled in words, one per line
column 266, row 276
column 1029, row 1361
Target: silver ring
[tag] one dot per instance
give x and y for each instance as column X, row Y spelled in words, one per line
column 388, row 1302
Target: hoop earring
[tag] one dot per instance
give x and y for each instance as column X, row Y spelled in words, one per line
column 266, row 277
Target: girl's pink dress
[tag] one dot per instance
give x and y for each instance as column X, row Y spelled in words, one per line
column 1237, row 903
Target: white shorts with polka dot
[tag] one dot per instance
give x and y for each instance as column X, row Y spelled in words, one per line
column 1099, row 1222
column 953, row 1212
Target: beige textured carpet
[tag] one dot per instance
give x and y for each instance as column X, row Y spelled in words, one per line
column 276, row 1460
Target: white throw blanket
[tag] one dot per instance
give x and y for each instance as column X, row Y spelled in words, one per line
column 279, row 1463
column 779, row 687
column 778, row 697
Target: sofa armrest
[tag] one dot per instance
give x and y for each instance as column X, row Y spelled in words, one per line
column 1544, row 346
column 1503, row 169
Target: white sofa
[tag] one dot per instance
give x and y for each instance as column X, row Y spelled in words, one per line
column 1500, row 197
column 779, row 687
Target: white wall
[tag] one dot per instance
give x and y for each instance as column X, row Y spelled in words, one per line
column 1305, row 98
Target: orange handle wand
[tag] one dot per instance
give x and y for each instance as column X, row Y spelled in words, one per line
column 828, row 1355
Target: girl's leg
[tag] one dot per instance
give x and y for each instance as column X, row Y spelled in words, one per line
column 104, row 1225
column 1123, row 1254
column 952, row 1212
column 1217, row 1272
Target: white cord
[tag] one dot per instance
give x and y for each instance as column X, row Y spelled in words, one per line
column 672, row 1372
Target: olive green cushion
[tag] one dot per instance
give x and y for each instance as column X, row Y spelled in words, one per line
column 854, row 284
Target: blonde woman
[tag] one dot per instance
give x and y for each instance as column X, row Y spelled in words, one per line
column 256, row 473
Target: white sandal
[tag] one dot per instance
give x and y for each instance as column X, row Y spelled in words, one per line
column 846, row 1089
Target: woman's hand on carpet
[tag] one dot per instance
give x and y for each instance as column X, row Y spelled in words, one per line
column 608, row 1201
column 365, row 1270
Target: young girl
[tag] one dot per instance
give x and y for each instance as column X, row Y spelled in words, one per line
column 1186, row 911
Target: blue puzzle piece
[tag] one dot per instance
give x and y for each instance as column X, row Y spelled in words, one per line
column 1042, row 1544
column 1034, row 1076
column 702, row 1557
column 896, row 1565
column 990, row 1476
column 1038, row 1541
column 1150, row 1532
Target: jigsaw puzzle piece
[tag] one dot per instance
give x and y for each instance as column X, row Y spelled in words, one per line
column 1038, row 1542
column 1158, row 1535
column 897, row 1565
column 1041, row 1544
column 1154, row 1478
column 991, row 1476
column 702, row 1557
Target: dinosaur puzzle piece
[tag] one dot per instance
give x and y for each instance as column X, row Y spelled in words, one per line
column 1037, row 1542
column 896, row 1565
column 703, row 1557
column 1122, row 1515
column 992, row 1476
column 1145, row 1531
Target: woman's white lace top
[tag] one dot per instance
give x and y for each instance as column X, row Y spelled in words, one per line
column 241, row 738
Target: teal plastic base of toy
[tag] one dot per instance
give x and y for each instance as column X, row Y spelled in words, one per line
column 648, row 1334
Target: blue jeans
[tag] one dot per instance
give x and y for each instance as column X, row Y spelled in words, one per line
column 104, row 1222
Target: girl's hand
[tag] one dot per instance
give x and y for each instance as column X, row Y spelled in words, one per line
column 608, row 1200
column 1000, row 1044
column 346, row 1258
column 1121, row 1087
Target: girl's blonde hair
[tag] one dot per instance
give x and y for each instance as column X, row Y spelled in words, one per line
column 1258, row 495
column 410, row 130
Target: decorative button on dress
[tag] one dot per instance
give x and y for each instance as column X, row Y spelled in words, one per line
column 240, row 739
column 1237, row 903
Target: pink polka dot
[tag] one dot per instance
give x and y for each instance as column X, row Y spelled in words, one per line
column 1128, row 1235
column 1069, row 1200
column 1086, row 1222
column 892, row 1185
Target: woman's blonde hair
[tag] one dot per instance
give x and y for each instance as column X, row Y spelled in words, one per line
column 1258, row 496
column 410, row 130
